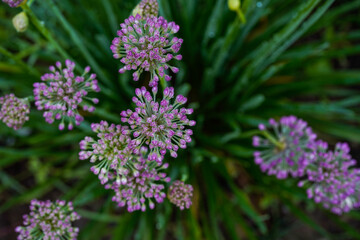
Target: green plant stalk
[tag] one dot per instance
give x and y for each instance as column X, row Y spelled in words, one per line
column 241, row 15
column 19, row 61
column 163, row 83
column 30, row 98
column 273, row 140
column 43, row 30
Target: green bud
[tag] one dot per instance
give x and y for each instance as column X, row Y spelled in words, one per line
column 234, row 5
column 20, row 22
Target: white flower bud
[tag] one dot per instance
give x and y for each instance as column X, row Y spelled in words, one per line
column 21, row 22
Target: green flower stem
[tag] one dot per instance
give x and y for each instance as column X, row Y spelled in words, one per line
column 241, row 15
column 43, row 30
column 273, row 140
column 30, row 98
column 163, row 83
column 8, row 54
column 184, row 177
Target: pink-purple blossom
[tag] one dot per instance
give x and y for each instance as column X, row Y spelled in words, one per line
column 147, row 44
column 284, row 149
column 14, row 111
column 159, row 125
column 181, row 194
column 62, row 92
column 109, row 151
column 330, row 179
column 13, row 3
column 139, row 184
column 48, row 220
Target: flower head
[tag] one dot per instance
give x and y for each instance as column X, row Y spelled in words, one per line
column 147, row 8
column 146, row 44
column 160, row 125
column 139, row 183
column 109, row 152
column 286, row 153
column 181, row 194
column 330, row 180
column 61, row 93
column 14, row 3
column 48, row 220
column 14, row 111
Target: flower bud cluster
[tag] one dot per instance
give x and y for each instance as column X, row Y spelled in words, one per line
column 139, row 183
column 328, row 176
column 161, row 125
column 146, row 44
column 49, row 220
column 181, row 194
column 129, row 160
column 62, row 92
column 286, row 153
column 14, row 111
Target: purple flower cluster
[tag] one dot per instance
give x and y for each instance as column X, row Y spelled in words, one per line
column 293, row 148
column 147, row 8
column 160, row 125
column 14, row 111
column 109, row 152
column 181, row 194
column 14, row 3
column 139, row 183
column 62, row 92
column 48, row 220
column 121, row 155
column 330, row 180
column 129, row 160
column 284, row 152
column 146, row 44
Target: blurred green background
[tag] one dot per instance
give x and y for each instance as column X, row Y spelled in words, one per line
column 299, row 57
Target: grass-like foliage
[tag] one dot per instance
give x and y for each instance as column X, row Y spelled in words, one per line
column 240, row 66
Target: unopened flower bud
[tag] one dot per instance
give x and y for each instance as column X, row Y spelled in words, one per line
column 234, row 5
column 21, row 22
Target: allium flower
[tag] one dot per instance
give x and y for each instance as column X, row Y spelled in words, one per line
column 146, row 44
column 109, row 152
column 161, row 126
column 14, row 3
column 14, row 111
column 147, row 8
column 181, row 194
column 330, row 181
column 61, row 93
column 285, row 152
column 49, row 220
column 139, row 183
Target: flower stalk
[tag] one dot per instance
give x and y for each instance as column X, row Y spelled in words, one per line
column 273, row 140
